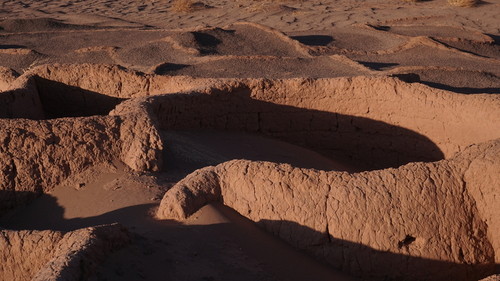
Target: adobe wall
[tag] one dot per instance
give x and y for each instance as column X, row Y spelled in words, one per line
column 36, row 155
column 7, row 76
column 373, row 123
column 422, row 221
column 452, row 121
column 378, row 121
column 369, row 123
column 21, row 100
column 116, row 81
column 24, row 253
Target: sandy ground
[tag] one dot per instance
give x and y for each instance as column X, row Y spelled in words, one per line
column 448, row 47
column 289, row 15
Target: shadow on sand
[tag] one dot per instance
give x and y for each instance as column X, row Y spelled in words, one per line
column 230, row 228
column 367, row 262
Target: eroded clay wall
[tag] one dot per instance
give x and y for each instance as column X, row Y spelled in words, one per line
column 378, row 121
column 372, row 123
column 7, row 76
column 24, row 253
column 80, row 251
column 37, row 155
column 451, row 121
column 116, row 81
column 109, row 80
column 422, row 221
column 350, row 139
column 54, row 255
column 21, row 101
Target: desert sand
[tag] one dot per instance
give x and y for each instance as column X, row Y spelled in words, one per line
column 249, row 140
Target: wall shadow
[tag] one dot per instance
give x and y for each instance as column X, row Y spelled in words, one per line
column 366, row 262
column 352, row 258
column 62, row 100
column 357, row 142
column 461, row 90
column 168, row 249
column 190, row 150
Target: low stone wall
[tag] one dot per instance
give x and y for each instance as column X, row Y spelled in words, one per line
column 422, row 221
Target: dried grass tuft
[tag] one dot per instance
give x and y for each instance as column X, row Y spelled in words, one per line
column 463, row 3
column 187, row 6
column 266, row 5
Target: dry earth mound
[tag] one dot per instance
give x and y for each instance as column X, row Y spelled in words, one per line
column 241, row 39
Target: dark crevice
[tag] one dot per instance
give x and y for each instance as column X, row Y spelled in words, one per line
column 12, row 172
column 328, row 236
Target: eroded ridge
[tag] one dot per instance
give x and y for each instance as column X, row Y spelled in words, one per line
column 422, row 221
